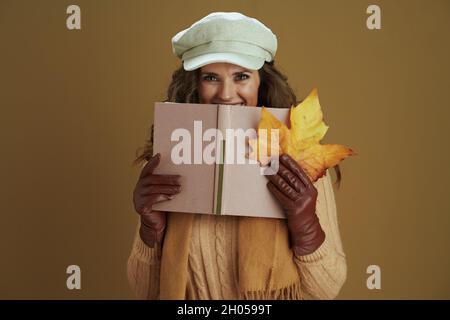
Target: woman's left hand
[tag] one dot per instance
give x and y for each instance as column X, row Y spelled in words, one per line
column 297, row 195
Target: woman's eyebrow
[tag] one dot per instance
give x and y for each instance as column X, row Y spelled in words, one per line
column 244, row 70
column 210, row 73
column 215, row 74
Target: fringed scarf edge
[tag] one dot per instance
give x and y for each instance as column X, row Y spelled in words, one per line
column 291, row 292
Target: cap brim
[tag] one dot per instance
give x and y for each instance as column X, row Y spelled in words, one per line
column 249, row 62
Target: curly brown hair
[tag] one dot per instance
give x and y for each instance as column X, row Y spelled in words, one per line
column 274, row 91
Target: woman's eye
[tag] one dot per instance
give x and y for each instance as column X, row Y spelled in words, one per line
column 210, row 78
column 243, row 76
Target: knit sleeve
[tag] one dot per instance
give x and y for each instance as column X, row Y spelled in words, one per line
column 324, row 271
column 143, row 268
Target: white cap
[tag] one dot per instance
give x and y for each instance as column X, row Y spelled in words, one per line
column 225, row 37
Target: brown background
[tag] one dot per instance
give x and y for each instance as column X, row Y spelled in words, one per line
column 75, row 105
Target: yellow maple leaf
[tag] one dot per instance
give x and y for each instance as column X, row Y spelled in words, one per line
column 302, row 140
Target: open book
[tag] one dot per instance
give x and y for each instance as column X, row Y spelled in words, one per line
column 195, row 141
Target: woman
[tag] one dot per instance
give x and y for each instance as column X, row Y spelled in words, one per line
column 228, row 59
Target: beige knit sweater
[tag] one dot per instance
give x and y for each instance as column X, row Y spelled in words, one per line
column 213, row 269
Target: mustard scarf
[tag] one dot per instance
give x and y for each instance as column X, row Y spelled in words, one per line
column 266, row 266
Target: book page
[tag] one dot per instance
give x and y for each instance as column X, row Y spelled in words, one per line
column 245, row 192
column 185, row 121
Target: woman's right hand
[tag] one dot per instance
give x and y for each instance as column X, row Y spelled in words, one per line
column 150, row 189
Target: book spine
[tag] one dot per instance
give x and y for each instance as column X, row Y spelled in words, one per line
column 223, row 123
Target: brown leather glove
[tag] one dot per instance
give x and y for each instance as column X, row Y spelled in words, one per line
column 297, row 195
column 150, row 189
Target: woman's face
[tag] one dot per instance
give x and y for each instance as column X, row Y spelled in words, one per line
column 226, row 83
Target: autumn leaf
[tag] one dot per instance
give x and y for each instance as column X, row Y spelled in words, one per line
column 301, row 141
